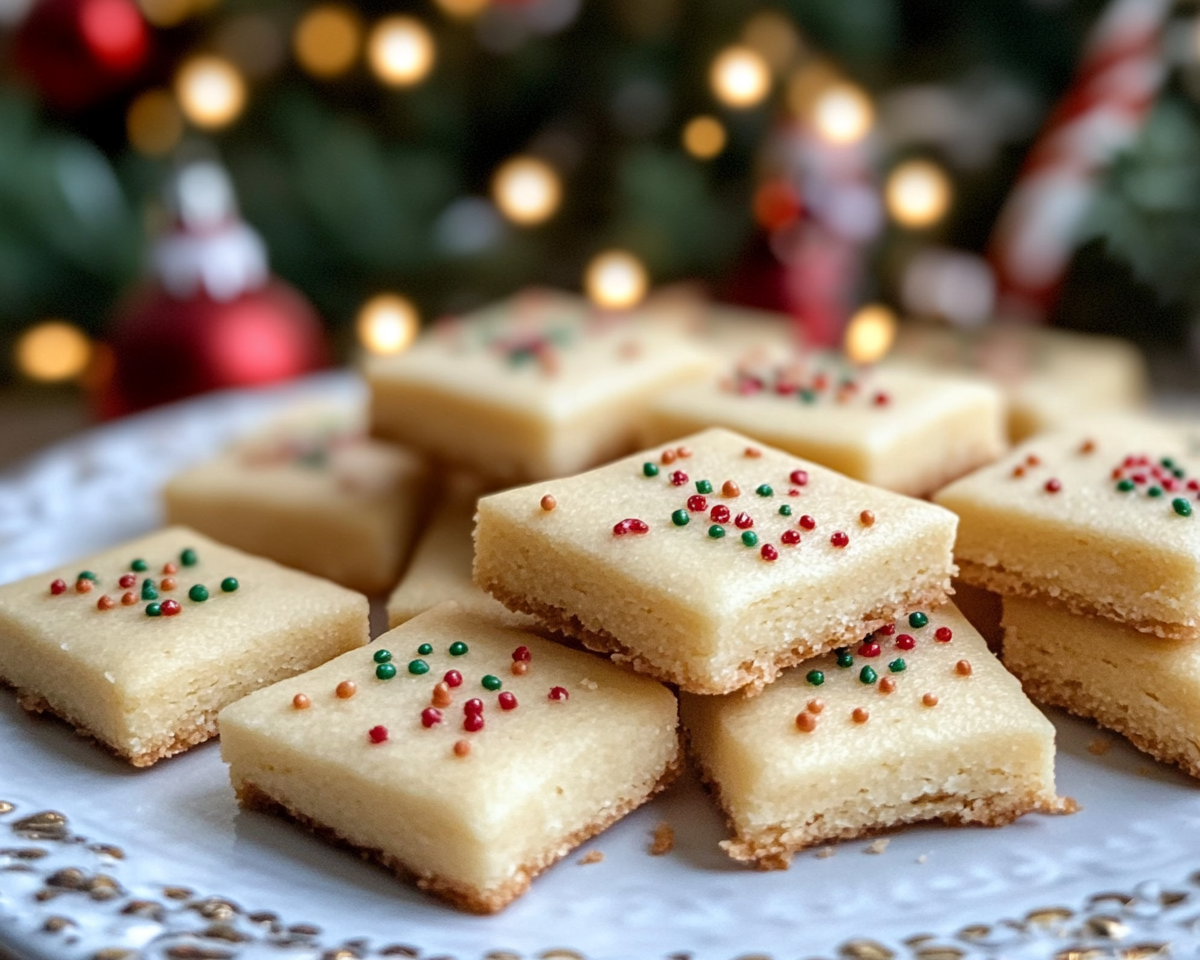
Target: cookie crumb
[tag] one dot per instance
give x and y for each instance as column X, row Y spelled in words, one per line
column 825, row 853
column 922, row 858
column 664, row 840
column 877, row 846
column 589, row 684
column 592, row 856
column 1099, row 746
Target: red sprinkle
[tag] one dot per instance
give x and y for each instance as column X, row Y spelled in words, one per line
column 769, row 552
column 679, row 478
column 799, row 477
column 886, row 630
column 791, row 537
column 1138, row 478
column 170, row 608
column 1053, row 485
column 743, row 521
column 522, row 653
column 83, row 586
column 128, row 580
column 473, row 722
column 881, row 399
column 105, row 603
column 808, row 523
column 668, row 456
column 128, row 599
column 474, row 705
column 869, row 649
column 839, row 539
column 431, row 716
column 1193, row 484
column 631, row 525
column 905, row 642
column 58, row 586
column 507, row 701
column 793, row 492
column 170, row 568
column 697, row 503
column 943, row 635
column 559, row 693
column 453, row 678
column 377, row 734
column 720, row 513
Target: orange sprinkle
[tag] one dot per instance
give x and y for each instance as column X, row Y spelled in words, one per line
column 730, row 489
column 668, row 456
column 519, row 668
column 128, row 599
column 860, row 715
column 167, row 583
column 1088, row 446
column 549, row 503
column 83, row 586
column 963, row 668
column 346, row 689
column 930, row 700
column 816, row 705
column 1033, row 459
column 867, row 518
column 887, row 685
column 753, row 452
column 301, row 702
column 1018, row 471
column 105, row 603
column 441, row 694
column 461, row 748
column 684, row 452
column 170, row 568
column 806, row 722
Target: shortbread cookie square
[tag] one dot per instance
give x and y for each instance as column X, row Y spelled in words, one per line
column 1098, row 520
column 538, row 386
column 312, row 492
column 440, row 569
column 907, row 432
column 1049, row 377
column 1145, row 688
column 141, row 645
column 917, row 722
column 468, row 755
column 714, row 562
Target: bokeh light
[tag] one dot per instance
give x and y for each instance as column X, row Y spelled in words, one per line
column 53, row 351
column 400, row 51
column 211, row 91
column 843, row 114
column 807, row 83
column 918, row 194
column 772, row 34
column 740, row 77
column 166, row 13
column 387, row 323
column 527, row 190
column 153, row 123
column 870, row 333
column 462, row 9
column 704, row 137
column 616, row 280
column 327, row 40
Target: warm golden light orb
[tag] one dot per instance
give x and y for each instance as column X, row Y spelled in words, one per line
column 870, row 333
column 616, row 280
column 387, row 323
column 211, row 91
column 704, row 137
column 400, row 51
column 153, row 123
column 527, row 190
column 918, row 194
column 53, row 351
column 740, row 77
column 462, row 9
column 327, row 40
column 843, row 114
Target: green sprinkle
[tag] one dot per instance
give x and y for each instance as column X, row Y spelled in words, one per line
column 154, row 610
column 750, row 538
column 680, row 518
column 1125, row 485
column 1154, row 491
column 716, row 531
column 703, row 486
column 425, row 649
column 458, row 648
column 188, row 557
column 417, row 667
column 785, row 510
column 844, row 659
column 148, row 591
column 383, row 656
column 491, row 683
column 1179, row 473
column 139, row 566
column 385, row 671
column 229, row 585
column 898, row 665
column 1182, row 507
column 808, row 396
column 765, row 490
column 917, row 620
column 198, row 593
column 867, row 675
column 1167, row 462
column 650, row 469
column 815, row 677
column 86, row 575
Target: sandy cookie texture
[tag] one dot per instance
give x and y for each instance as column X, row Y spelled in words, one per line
column 140, row 646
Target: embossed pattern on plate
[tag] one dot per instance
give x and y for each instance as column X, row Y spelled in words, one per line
column 178, row 824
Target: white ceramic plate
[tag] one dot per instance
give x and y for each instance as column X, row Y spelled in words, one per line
column 292, row 896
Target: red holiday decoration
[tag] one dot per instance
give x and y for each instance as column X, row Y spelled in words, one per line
column 211, row 316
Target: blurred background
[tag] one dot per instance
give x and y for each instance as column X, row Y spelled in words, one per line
column 199, row 193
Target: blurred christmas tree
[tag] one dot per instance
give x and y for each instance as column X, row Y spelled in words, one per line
column 452, row 152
